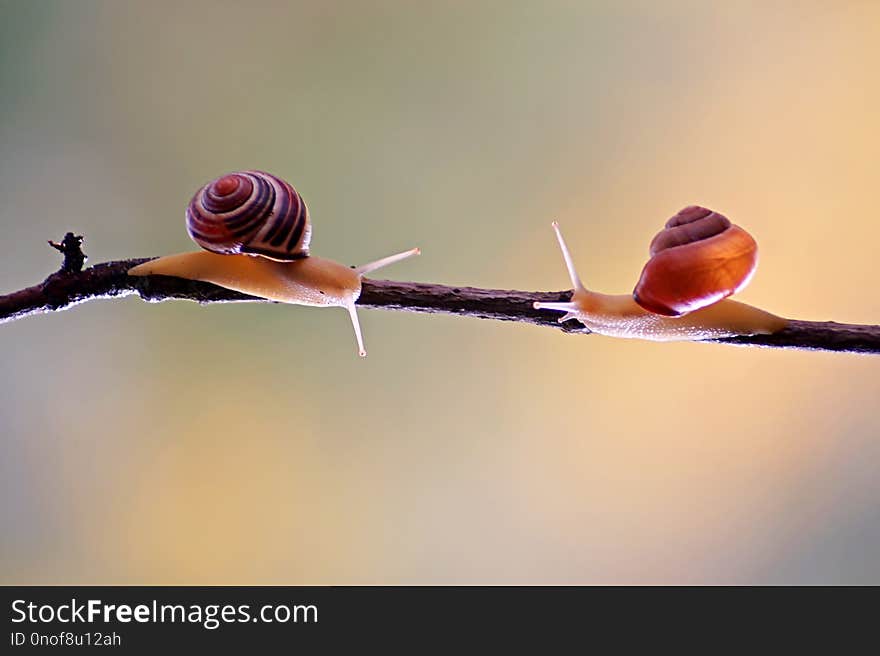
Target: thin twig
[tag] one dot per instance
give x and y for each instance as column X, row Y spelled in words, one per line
column 110, row 280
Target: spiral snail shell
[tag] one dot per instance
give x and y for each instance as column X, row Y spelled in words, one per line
column 697, row 261
column 698, row 258
column 251, row 212
column 255, row 230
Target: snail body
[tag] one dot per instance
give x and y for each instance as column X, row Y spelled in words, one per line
column 697, row 261
column 311, row 281
column 256, row 230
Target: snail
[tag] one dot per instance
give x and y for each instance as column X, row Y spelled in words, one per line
column 255, row 230
column 697, row 261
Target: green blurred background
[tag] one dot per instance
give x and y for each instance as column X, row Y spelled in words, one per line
column 247, row 443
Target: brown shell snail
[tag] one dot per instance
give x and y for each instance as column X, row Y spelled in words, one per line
column 697, row 261
column 256, row 230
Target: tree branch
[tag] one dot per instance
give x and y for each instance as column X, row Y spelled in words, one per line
column 71, row 286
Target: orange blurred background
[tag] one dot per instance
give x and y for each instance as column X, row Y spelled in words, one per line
column 247, row 443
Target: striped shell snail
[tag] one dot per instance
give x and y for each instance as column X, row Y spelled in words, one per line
column 250, row 212
column 697, row 261
column 256, row 230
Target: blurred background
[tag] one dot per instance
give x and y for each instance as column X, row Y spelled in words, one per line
column 247, row 443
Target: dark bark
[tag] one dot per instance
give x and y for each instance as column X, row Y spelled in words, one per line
column 71, row 248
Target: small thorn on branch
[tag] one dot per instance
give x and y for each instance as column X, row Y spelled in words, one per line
column 71, row 248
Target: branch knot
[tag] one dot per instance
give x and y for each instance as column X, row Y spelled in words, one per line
column 71, row 248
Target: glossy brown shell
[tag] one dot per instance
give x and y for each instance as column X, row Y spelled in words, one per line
column 698, row 259
column 251, row 212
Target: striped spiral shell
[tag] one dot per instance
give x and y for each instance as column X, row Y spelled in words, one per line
column 250, row 212
column 699, row 258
